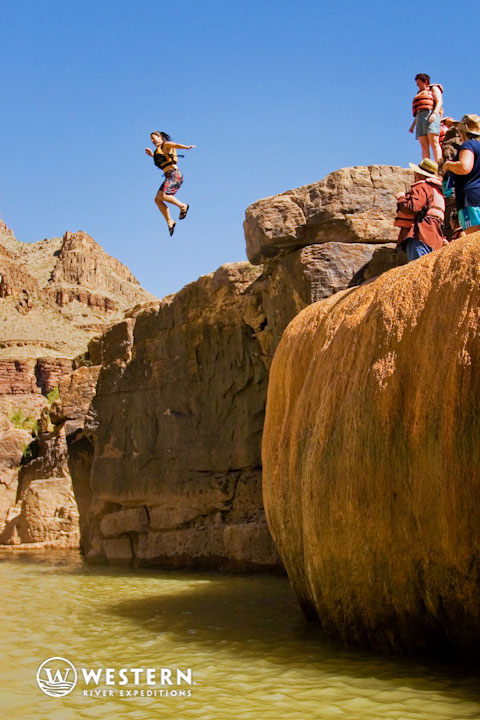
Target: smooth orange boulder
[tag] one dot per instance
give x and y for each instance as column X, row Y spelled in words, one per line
column 371, row 455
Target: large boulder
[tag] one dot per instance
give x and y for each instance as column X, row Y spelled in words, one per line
column 372, row 461
column 354, row 204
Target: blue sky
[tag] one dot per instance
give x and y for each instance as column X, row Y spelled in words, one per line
column 273, row 94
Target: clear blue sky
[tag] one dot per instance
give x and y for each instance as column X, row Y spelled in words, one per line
column 273, row 94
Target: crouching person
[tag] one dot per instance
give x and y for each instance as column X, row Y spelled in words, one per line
column 421, row 212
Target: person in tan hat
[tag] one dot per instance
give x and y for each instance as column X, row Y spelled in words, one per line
column 421, row 212
column 466, row 173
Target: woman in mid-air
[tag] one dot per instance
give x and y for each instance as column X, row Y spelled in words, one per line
column 165, row 158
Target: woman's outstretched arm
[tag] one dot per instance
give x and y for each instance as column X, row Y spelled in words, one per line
column 170, row 145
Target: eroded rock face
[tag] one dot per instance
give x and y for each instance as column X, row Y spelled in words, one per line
column 370, row 456
column 350, row 205
column 13, row 442
column 42, row 505
column 177, row 421
column 310, row 274
column 54, row 295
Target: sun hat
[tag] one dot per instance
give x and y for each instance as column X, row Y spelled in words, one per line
column 426, row 167
column 470, row 124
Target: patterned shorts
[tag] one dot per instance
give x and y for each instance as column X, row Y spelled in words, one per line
column 173, row 181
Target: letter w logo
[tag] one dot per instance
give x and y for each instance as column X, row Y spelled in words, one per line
column 58, row 676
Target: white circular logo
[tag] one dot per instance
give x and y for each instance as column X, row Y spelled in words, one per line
column 56, row 677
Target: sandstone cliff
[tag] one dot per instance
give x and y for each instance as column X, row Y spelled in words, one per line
column 349, row 206
column 370, row 456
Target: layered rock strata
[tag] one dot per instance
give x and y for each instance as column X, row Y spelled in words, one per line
column 43, row 506
column 55, row 295
column 58, row 293
column 370, row 457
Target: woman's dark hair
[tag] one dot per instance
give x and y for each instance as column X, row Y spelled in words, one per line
column 472, row 136
column 423, row 77
column 162, row 134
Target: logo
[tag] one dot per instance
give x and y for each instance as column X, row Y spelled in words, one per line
column 56, row 677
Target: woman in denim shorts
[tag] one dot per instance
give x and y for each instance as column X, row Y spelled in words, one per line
column 427, row 106
column 165, row 158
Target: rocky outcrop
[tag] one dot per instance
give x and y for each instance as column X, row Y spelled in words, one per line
column 304, row 276
column 370, row 457
column 47, row 506
column 35, row 376
column 55, row 295
column 59, row 293
column 176, row 424
column 350, row 205
column 13, row 442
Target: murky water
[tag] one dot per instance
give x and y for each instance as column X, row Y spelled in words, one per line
column 252, row 656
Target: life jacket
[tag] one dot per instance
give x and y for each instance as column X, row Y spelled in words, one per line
column 443, row 132
column 435, row 208
column 424, row 99
column 161, row 160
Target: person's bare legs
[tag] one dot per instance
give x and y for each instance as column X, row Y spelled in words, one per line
column 434, row 143
column 159, row 197
column 172, row 199
column 424, row 144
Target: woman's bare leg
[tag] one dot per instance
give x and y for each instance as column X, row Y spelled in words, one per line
column 173, row 200
column 163, row 208
column 435, row 145
column 424, row 144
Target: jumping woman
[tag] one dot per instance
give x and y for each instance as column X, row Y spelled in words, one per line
column 165, row 158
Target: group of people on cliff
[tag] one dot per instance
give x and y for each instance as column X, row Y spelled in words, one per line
column 421, row 211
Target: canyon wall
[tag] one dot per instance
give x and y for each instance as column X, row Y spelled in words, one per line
column 370, row 457
column 55, row 295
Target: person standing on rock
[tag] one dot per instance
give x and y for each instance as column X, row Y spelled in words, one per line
column 466, row 173
column 427, row 111
column 421, row 212
column 165, row 158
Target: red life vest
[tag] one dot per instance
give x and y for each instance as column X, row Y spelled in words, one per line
column 436, row 208
column 443, row 132
column 424, row 99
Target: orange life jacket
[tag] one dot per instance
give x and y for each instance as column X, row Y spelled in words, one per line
column 424, row 99
column 436, row 208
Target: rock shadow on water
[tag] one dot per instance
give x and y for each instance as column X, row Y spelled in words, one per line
column 259, row 617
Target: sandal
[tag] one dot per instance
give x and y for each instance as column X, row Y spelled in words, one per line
column 183, row 213
column 171, row 229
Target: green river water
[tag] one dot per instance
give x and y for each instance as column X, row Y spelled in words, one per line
column 250, row 652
